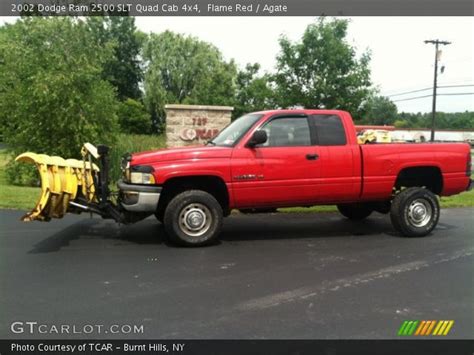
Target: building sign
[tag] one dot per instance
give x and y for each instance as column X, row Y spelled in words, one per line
column 193, row 124
column 199, row 130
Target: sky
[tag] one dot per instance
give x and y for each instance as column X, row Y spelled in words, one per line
column 401, row 61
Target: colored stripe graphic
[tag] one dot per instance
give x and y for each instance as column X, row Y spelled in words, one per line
column 444, row 327
column 448, row 327
column 425, row 327
column 430, row 328
column 422, row 324
column 408, row 327
column 438, row 326
column 401, row 331
column 413, row 327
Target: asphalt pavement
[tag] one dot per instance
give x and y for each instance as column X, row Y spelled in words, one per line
column 301, row 276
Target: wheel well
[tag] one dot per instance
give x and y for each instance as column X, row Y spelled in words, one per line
column 211, row 184
column 427, row 176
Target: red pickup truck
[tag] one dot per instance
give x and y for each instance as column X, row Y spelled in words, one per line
column 285, row 158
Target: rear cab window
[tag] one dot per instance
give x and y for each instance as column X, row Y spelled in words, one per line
column 327, row 130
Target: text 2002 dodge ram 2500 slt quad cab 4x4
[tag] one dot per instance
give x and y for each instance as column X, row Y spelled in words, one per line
column 262, row 160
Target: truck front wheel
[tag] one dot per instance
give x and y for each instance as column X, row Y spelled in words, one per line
column 355, row 211
column 415, row 212
column 193, row 218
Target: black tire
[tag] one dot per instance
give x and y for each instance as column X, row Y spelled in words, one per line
column 355, row 211
column 415, row 212
column 193, row 207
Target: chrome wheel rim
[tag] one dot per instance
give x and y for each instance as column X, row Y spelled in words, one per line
column 419, row 213
column 195, row 219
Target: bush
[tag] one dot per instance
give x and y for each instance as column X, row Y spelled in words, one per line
column 22, row 174
column 132, row 143
column 133, row 118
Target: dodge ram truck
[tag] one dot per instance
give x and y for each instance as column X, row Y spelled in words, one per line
column 266, row 160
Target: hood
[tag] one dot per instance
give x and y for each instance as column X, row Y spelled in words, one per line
column 183, row 153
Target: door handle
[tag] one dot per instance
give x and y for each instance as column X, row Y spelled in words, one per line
column 312, row 156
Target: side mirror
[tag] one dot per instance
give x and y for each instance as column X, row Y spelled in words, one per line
column 258, row 137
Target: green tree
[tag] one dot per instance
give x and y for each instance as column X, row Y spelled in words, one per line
column 444, row 120
column 322, row 70
column 462, row 120
column 401, row 124
column 185, row 70
column 133, row 117
column 253, row 91
column 380, row 110
column 123, row 69
column 52, row 97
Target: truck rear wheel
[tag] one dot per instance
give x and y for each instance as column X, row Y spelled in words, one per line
column 193, row 218
column 415, row 212
column 355, row 211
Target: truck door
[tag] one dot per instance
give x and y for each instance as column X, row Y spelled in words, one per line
column 340, row 176
column 282, row 171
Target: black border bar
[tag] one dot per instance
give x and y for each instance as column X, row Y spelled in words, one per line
column 239, row 347
column 238, row 7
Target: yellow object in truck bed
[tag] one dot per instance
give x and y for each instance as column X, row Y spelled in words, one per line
column 374, row 136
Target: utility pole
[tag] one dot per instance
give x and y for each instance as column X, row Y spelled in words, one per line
column 436, row 42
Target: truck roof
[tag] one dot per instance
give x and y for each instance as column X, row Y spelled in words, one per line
column 301, row 111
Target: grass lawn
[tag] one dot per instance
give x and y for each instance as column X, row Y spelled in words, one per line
column 18, row 197
column 24, row 198
column 466, row 199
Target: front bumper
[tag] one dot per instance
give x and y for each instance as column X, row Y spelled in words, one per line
column 139, row 198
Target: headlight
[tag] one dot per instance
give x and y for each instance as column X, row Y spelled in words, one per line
column 141, row 178
column 140, row 174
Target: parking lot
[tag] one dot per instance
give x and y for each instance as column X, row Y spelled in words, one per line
column 271, row 276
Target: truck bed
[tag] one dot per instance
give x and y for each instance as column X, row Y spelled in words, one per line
column 381, row 164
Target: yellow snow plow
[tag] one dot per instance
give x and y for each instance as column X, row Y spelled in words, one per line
column 62, row 182
column 70, row 185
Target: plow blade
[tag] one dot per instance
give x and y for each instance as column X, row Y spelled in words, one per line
column 63, row 182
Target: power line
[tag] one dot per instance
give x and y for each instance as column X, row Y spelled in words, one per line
column 440, row 86
column 455, row 86
column 446, row 94
column 456, row 94
column 409, row 92
column 413, row 98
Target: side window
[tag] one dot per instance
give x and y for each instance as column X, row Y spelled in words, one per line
column 287, row 132
column 329, row 129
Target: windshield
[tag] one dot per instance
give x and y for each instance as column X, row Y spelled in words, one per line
column 231, row 135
